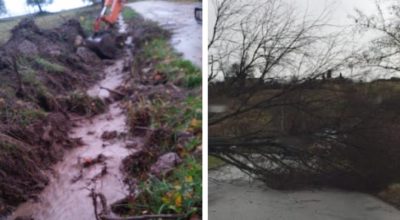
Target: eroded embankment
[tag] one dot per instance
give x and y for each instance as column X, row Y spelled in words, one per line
column 41, row 72
column 94, row 166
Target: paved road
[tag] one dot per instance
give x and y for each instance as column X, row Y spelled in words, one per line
column 179, row 18
column 243, row 200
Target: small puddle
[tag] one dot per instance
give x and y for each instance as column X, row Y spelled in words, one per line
column 67, row 195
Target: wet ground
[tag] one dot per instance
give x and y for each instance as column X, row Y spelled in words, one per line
column 179, row 18
column 233, row 196
column 67, row 195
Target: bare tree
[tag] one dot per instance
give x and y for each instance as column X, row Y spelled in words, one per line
column 384, row 49
column 270, row 40
column 39, row 3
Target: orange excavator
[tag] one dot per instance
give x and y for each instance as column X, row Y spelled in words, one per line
column 109, row 14
column 104, row 40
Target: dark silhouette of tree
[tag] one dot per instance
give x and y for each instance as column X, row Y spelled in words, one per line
column 39, row 4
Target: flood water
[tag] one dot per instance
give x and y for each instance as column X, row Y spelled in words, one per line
column 19, row 7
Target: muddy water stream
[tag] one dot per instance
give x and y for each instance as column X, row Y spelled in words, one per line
column 67, row 195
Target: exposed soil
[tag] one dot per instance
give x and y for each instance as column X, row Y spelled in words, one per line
column 39, row 70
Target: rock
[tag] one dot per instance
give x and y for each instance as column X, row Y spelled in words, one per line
column 87, row 162
column 108, row 135
column 78, row 41
column 87, row 56
column 165, row 164
column 24, row 218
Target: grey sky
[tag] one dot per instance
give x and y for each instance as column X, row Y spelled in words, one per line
column 340, row 10
column 18, row 7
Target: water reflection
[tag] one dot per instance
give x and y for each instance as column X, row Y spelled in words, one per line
column 11, row 8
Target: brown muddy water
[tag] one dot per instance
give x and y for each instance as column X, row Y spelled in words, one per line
column 67, row 195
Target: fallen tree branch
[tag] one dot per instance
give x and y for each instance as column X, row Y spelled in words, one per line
column 113, row 91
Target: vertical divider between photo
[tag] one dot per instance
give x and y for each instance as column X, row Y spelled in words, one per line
column 205, row 109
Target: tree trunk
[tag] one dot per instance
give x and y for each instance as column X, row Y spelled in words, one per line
column 40, row 7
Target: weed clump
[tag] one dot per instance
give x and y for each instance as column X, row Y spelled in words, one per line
column 83, row 104
column 49, row 66
column 180, row 193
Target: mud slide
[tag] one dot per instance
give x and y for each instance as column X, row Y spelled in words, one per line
column 232, row 195
column 179, row 19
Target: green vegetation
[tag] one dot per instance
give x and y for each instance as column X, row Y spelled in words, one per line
column 49, row 66
column 80, row 103
column 175, row 117
column 180, row 193
column 128, row 13
column 183, row 72
column 166, row 116
column 20, row 116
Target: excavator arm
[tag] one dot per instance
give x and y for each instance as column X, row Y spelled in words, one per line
column 104, row 42
column 109, row 13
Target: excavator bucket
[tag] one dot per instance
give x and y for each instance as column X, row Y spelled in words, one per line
column 104, row 44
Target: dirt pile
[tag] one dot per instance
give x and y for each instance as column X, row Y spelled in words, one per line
column 40, row 73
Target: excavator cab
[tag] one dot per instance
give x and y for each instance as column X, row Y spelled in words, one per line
column 105, row 41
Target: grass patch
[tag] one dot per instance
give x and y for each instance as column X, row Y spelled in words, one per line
column 180, row 193
column 49, row 66
column 182, row 72
column 21, row 116
column 183, row 116
column 87, row 23
column 129, row 14
column 82, row 104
